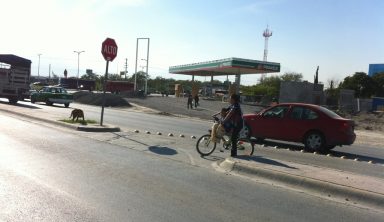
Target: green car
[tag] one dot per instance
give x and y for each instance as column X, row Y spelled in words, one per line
column 51, row 95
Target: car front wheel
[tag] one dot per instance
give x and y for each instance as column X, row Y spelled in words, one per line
column 66, row 105
column 314, row 141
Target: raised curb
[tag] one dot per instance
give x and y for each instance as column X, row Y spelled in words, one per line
column 353, row 195
column 98, row 129
column 62, row 124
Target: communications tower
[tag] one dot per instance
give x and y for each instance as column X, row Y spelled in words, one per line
column 267, row 33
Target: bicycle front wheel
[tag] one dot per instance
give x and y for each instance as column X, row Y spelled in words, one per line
column 245, row 147
column 205, row 146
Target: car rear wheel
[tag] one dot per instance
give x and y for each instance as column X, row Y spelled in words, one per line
column 314, row 141
column 12, row 101
column 49, row 103
column 33, row 100
column 66, row 105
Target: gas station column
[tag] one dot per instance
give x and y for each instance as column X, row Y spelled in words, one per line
column 237, row 83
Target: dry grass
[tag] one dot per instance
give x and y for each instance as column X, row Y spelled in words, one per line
column 81, row 122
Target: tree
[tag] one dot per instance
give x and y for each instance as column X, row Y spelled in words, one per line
column 90, row 76
column 292, row 76
column 332, row 84
column 379, row 81
column 114, row 77
column 140, row 79
column 363, row 84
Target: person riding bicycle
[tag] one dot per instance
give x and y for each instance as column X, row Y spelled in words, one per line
column 234, row 122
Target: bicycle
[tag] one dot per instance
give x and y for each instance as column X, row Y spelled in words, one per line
column 205, row 146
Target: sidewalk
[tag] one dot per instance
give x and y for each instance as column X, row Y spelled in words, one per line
column 353, row 188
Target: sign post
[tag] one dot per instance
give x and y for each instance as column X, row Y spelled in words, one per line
column 109, row 52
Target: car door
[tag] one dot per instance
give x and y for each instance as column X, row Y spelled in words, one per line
column 270, row 123
column 41, row 94
column 299, row 121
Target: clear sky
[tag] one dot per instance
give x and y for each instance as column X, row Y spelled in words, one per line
column 341, row 36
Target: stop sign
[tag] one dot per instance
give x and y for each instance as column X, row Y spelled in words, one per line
column 109, row 49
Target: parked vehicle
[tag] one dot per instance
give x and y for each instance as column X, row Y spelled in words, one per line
column 119, row 86
column 318, row 128
column 51, row 95
column 15, row 73
column 82, row 84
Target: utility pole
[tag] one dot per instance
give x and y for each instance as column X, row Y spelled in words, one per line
column 38, row 67
column 49, row 73
column 126, row 68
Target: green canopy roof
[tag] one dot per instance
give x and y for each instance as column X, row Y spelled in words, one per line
column 230, row 66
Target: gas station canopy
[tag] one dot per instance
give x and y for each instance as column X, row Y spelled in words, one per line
column 230, row 66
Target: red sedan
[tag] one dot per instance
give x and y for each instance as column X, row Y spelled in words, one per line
column 317, row 127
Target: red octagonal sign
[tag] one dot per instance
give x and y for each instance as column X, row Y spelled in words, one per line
column 109, row 49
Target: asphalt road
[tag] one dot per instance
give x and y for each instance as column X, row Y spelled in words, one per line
column 128, row 119
column 53, row 174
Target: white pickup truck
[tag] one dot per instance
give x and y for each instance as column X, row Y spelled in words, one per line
column 15, row 73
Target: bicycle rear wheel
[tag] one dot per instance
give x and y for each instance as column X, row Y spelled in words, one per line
column 205, row 146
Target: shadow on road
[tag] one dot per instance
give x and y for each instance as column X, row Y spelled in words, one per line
column 334, row 153
column 213, row 158
column 21, row 105
column 162, row 150
column 263, row 160
column 354, row 156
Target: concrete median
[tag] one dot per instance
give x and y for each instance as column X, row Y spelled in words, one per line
column 50, row 119
column 325, row 182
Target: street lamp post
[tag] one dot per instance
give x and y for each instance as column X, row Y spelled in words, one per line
column 78, row 65
column 38, row 67
column 137, row 49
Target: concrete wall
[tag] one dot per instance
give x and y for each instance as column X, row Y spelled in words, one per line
column 365, row 105
column 347, row 101
column 301, row 92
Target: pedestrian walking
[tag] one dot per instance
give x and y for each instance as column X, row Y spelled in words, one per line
column 196, row 100
column 189, row 102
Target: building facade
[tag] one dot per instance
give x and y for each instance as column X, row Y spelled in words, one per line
column 375, row 68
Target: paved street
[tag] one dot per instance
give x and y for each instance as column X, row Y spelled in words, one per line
column 53, row 174
column 128, row 119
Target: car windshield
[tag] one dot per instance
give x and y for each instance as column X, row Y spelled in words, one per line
column 329, row 113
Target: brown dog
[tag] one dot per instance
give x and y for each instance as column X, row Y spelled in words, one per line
column 76, row 114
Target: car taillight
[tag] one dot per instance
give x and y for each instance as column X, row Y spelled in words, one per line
column 347, row 127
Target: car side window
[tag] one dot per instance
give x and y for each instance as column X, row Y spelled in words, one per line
column 277, row 112
column 297, row 112
column 302, row 113
column 310, row 114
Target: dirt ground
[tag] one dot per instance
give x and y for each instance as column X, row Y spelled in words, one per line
column 96, row 99
column 368, row 121
column 178, row 106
